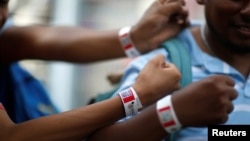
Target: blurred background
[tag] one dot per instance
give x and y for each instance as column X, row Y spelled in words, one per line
column 74, row 85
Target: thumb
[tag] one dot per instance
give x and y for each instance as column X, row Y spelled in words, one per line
column 158, row 59
column 161, row 62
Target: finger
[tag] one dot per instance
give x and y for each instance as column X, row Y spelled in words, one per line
column 230, row 107
column 166, row 65
column 161, row 1
column 230, row 82
column 173, row 7
column 156, row 62
column 174, row 12
column 169, row 1
column 169, row 7
column 233, row 95
column 160, row 59
column 171, row 65
column 183, row 17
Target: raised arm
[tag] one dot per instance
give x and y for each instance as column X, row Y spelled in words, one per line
column 78, row 44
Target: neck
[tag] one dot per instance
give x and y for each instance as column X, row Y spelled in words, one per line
column 204, row 39
column 238, row 61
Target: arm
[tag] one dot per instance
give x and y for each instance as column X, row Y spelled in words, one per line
column 194, row 105
column 142, row 127
column 79, row 123
column 77, row 44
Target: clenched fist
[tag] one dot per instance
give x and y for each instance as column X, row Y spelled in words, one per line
column 205, row 102
column 156, row 79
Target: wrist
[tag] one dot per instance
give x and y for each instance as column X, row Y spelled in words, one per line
column 131, row 102
column 167, row 115
column 142, row 40
column 142, row 44
column 127, row 43
column 143, row 95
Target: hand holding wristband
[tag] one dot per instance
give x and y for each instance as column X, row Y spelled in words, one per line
column 127, row 44
column 131, row 101
column 167, row 116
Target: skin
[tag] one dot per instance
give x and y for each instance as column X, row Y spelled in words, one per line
column 213, row 109
column 75, row 121
column 51, row 43
column 228, row 37
column 78, row 123
column 159, row 22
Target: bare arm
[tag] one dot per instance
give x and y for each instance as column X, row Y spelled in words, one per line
column 79, row 123
column 73, row 44
column 71, row 125
column 195, row 105
column 142, row 127
column 77, row 44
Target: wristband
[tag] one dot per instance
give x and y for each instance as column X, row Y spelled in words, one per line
column 127, row 44
column 131, row 101
column 167, row 116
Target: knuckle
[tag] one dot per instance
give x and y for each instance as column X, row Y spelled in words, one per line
column 221, row 118
column 214, row 78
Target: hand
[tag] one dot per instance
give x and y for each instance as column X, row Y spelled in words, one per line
column 156, row 80
column 162, row 20
column 206, row 102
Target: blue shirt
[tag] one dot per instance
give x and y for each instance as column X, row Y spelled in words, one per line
column 203, row 65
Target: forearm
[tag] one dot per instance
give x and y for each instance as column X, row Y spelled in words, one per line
column 143, row 127
column 77, row 44
column 72, row 125
column 81, row 45
column 94, row 46
column 60, row 43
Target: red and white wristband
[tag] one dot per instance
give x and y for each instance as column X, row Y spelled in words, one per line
column 167, row 116
column 127, row 44
column 131, row 101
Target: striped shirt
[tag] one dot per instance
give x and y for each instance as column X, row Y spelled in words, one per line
column 203, row 65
